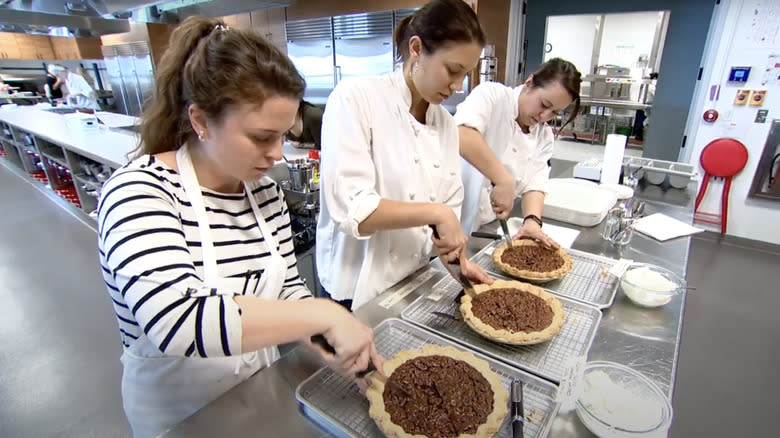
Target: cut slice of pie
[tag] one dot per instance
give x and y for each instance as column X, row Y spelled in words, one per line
column 513, row 312
column 529, row 260
column 437, row 392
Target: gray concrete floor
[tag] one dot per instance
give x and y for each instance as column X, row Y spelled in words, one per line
column 59, row 349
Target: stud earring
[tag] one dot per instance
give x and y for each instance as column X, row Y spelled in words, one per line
column 201, row 135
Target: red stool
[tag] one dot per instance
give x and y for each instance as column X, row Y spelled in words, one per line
column 724, row 158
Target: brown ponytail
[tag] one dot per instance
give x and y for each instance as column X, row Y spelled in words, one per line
column 564, row 72
column 213, row 67
column 438, row 23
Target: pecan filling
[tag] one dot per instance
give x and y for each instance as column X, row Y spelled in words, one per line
column 532, row 258
column 438, row 396
column 512, row 309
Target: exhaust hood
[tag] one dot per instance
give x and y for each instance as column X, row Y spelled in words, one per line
column 100, row 17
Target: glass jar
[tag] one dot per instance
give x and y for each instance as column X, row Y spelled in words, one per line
column 618, row 226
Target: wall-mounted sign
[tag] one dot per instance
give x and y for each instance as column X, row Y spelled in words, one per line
column 757, row 97
column 710, row 115
column 761, row 115
column 741, row 98
column 739, row 74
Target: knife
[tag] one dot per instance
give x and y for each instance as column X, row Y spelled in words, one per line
column 325, row 345
column 484, row 235
column 505, row 229
column 517, row 409
column 454, row 269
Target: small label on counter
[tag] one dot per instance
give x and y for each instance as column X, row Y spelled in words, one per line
column 407, row 288
column 619, row 268
column 571, row 383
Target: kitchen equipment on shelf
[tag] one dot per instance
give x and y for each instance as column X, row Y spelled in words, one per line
column 301, row 174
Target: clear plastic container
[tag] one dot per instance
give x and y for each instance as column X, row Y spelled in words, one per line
column 618, row 401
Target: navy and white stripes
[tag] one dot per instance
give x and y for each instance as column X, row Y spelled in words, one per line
column 150, row 254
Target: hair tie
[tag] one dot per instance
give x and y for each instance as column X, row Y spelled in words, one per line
column 221, row 27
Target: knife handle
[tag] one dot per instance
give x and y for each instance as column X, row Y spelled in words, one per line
column 484, row 235
column 323, row 343
column 517, row 429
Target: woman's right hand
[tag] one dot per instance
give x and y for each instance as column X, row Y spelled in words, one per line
column 451, row 239
column 353, row 342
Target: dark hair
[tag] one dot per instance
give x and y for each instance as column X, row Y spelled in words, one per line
column 564, row 72
column 213, row 67
column 438, row 23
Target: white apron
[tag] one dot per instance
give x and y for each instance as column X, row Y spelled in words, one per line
column 160, row 391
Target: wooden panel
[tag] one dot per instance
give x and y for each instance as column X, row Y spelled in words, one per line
column 325, row 8
column 494, row 17
column 43, row 47
column 138, row 32
column 64, row 48
column 159, row 34
column 9, row 49
column 89, row 48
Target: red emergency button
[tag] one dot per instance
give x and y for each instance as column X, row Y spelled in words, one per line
column 710, row 115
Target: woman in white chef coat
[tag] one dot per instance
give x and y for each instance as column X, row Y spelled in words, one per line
column 390, row 165
column 195, row 241
column 79, row 90
column 505, row 138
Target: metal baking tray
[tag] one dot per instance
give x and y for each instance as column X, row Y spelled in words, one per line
column 551, row 360
column 589, row 280
column 335, row 404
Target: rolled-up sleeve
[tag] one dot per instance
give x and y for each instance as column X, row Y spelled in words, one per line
column 348, row 174
column 476, row 111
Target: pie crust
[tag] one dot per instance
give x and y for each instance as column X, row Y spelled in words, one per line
column 526, row 274
column 509, row 337
column 376, row 389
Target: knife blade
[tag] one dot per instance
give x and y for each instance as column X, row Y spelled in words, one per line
column 517, row 409
column 505, row 229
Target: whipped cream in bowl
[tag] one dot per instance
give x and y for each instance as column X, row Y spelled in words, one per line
column 649, row 285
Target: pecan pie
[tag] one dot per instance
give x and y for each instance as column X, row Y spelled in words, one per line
column 437, row 392
column 529, row 260
column 513, row 312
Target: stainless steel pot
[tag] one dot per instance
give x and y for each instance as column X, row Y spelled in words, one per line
column 301, row 172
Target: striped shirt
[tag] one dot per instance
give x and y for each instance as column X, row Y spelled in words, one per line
column 150, row 253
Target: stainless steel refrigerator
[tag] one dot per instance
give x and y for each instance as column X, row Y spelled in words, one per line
column 131, row 74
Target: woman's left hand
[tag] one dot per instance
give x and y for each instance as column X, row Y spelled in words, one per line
column 532, row 230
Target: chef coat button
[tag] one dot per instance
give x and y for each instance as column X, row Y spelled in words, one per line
column 453, row 173
column 416, row 159
column 432, row 197
column 518, row 180
column 514, row 149
column 436, row 165
column 411, row 196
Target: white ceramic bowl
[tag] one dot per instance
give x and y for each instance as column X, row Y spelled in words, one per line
column 618, row 401
column 650, row 285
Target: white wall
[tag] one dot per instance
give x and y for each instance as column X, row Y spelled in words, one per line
column 626, row 36
column 731, row 43
column 571, row 37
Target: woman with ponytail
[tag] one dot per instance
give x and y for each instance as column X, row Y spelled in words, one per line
column 505, row 138
column 195, row 241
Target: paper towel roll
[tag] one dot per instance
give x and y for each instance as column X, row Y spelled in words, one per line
column 613, row 158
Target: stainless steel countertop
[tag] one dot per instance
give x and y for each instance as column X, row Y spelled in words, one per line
column 645, row 339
